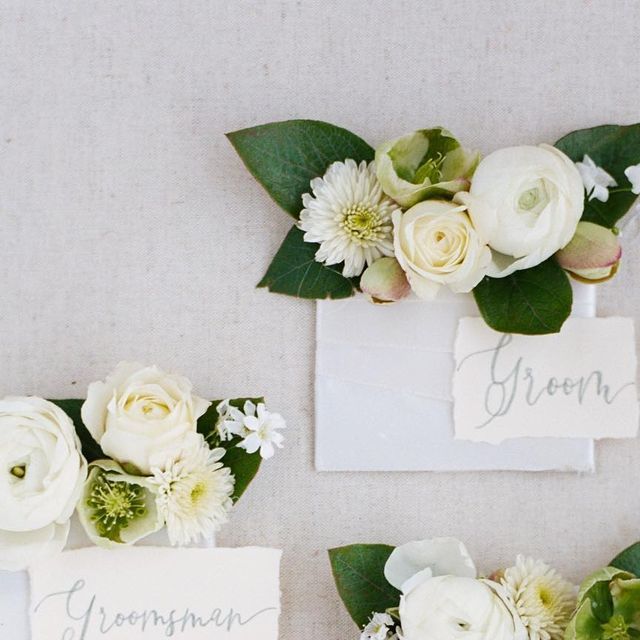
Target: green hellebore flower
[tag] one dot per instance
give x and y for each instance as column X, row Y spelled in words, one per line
column 425, row 164
column 116, row 507
column 608, row 607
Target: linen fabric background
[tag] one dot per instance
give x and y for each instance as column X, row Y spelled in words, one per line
column 131, row 230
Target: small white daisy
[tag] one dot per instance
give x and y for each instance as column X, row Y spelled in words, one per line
column 257, row 427
column 543, row 599
column 378, row 628
column 349, row 215
column 633, row 176
column 230, row 420
column 595, row 179
column 194, row 493
column 261, row 432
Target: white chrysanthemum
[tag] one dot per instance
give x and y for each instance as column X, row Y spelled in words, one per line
column 544, row 600
column 378, row 628
column 349, row 215
column 194, row 493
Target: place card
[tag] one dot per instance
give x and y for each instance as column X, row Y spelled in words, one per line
column 154, row 592
column 384, row 397
column 579, row 383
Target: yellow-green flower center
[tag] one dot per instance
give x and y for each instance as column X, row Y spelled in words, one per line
column 534, row 199
column 616, row 629
column 546, row 597
column 431, row 169
column 198, row 491
column 149, row 406
column 19, row 471
column 114, row 505
column 363, row 223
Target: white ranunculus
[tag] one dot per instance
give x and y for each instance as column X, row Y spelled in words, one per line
column 436, row 245
column 414, row 562
column 451, row 607
column 140, row 416
column 41, row 479
column 525, row 203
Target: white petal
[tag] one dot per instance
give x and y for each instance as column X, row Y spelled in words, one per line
column 21, row 549
column 251, row 443
column 441, row 556
column 633, row 175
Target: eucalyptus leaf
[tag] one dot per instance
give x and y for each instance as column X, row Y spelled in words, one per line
column 628, row 560
column 285, row 156
column 614, row 148
column 532, row 301
column 358, row 571
column 294, row 271
column 90, row 448
column 244, row 466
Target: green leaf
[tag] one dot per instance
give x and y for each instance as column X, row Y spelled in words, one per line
column 90, row 448
column 359, row 574
column 614, row 148
column 295, row 272
column 531, row 301
column 244, row 466
column 285, row 156
column 628, row 560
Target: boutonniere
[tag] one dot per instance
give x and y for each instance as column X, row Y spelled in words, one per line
column 422, row 212
column 432, row 590
column 141, row 453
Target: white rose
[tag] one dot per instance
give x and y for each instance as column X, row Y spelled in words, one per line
column 450, row 607
column 436, row 244
column 140, row 416
column 43, row 471
column 526, row 203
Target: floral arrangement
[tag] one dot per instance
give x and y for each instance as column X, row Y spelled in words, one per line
column 142, row 452
column 422, row 212
column 431, row 590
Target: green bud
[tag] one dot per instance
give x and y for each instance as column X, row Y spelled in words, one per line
column 385, row 281
column 592, row 255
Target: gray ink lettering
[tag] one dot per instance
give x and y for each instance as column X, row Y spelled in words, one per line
column 508, row 381
column 172, row 623
column 85, row 617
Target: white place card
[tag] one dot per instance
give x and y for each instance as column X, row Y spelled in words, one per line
column 579, row 383
column 383, row 392
column 154, row 593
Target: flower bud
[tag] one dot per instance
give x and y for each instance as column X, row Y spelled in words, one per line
column 425, row 164
column 592, row 255
column 385, row 281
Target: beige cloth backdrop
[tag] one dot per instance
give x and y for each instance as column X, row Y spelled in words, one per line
column 129, row 229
